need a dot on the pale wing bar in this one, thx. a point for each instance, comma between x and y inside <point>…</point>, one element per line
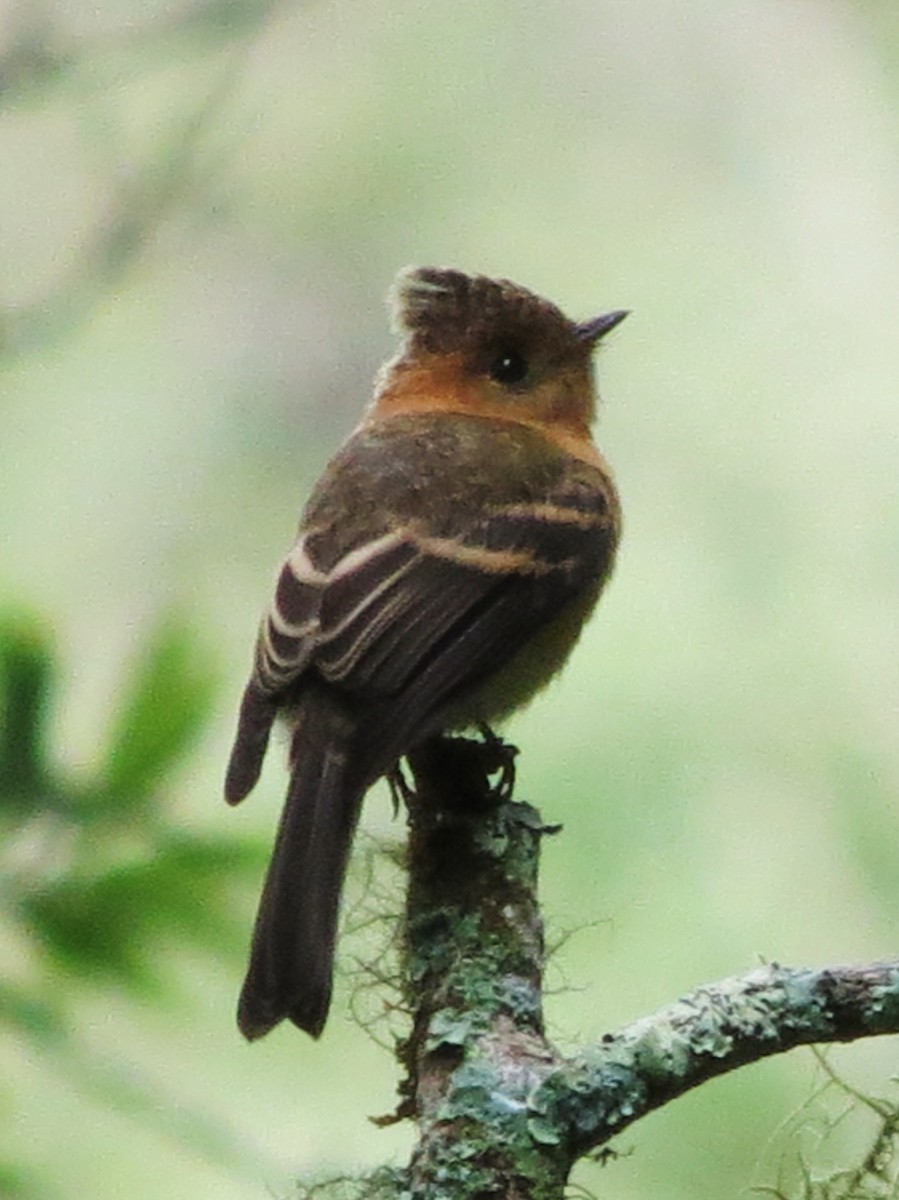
<point>379,647</point>
<point>414,618</point>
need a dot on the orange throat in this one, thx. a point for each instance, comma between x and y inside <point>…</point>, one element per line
<point>440,387</point>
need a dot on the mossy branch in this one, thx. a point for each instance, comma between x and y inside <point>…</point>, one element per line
<point>713,1030</point>
<point>501,1113</point>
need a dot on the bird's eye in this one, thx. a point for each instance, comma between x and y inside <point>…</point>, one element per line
<point>508,366</point>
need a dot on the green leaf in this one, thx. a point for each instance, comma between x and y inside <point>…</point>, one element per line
<point>169,703</point>
<point>27,676</point>
<point>114,923</point>
<point>17,1183</point>
<point>31,1015</point>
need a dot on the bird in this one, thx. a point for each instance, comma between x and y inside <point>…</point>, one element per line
<point>445,564</point>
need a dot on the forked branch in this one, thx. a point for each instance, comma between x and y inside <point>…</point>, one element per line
<point>500,1112</point>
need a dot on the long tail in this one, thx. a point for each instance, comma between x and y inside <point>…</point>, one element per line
<point>292,956</point>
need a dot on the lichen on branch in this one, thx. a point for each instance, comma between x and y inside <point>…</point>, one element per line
<point>500,1112</point>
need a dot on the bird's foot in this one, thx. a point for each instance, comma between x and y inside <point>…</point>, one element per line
<point>458,772</point>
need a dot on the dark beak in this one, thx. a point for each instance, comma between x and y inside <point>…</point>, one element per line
<point>597,327</point>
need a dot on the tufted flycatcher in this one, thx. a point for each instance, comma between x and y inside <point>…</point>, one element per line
<point>444,566</point>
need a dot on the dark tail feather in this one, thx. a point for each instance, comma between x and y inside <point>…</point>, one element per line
<point>257,715</point>
<point>292,956</point>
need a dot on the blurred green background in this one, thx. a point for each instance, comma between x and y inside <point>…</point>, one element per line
<point>201,207</point>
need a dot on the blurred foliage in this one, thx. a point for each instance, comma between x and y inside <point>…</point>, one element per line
<point>106,872</point>
<point>34,65</point>
<point>97,882</point>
